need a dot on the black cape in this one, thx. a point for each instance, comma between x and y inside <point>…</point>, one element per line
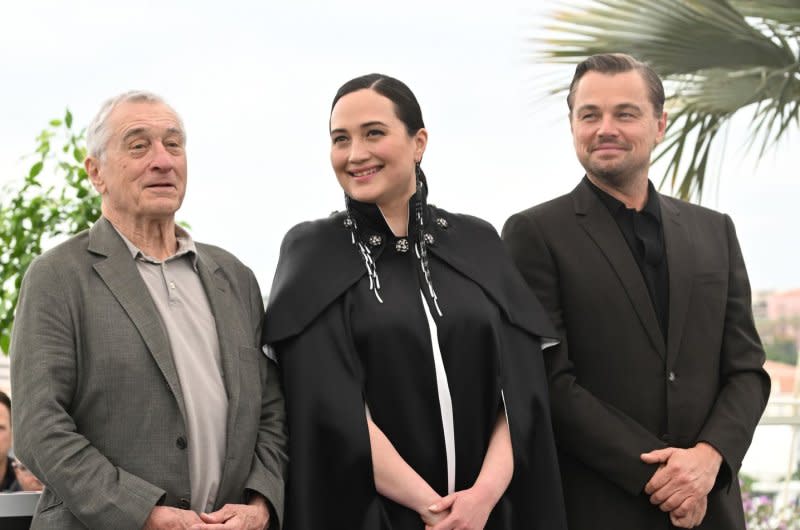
<point>314,330</point>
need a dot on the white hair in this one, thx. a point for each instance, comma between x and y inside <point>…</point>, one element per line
<point>97,133</point>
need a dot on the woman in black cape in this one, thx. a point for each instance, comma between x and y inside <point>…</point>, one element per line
<point>410,348</point>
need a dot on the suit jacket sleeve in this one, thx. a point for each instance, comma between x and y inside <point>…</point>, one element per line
<point>270,460</point>
<point>745,384</point>
<point>45,377</point>
<point>601,436</point>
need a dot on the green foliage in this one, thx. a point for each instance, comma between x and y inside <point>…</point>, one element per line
<point>55,199</point>
<point>780,338</point>
<point>782,350</point>
<point>716,57</point>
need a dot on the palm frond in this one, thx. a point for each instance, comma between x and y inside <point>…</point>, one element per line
<point>668,33</point>
<point>785,12</point>
<point>716,57</point>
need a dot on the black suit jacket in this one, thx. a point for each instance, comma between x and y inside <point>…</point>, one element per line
<point>618,389</point>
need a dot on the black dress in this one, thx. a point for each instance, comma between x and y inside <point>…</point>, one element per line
<point>339,348</point>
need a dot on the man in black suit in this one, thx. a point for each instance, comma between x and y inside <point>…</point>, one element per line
<point>658,383</point>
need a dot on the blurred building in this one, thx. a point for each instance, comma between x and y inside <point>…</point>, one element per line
<point>783,377</point>
<point>782,304</point>
<point>760,304</point>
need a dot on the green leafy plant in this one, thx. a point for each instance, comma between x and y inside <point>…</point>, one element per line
<point>54,200</point>
<point>716,57</point>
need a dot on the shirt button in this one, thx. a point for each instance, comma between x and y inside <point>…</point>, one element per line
<point>180,443</point>
<point>171,285</point>
<point>671,377</point>
<point>183,504</point>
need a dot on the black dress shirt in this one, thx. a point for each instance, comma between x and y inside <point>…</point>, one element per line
<point>644,234</point>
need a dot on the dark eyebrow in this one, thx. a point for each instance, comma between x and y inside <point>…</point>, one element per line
<point>373,123</point>
<point>621,106</point>
<point>628,106</point>
<point>363,126</point>
<point>583,108</point>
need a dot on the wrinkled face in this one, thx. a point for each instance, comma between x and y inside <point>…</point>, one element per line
<point>614,127</point>
<point>5,431</point>
<point>142,174</point>
<point>371,152</point>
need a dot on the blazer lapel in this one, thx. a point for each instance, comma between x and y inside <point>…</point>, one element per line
<point>596,220</point>
<point>118,271</point>
<point>679,252</point>
<point>219,297</point>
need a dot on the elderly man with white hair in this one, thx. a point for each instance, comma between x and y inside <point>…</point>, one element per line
<point>141,397</point>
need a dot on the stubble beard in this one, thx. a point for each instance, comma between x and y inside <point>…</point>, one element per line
<point>618,176</point>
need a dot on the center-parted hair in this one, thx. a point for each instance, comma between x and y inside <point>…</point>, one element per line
<point>617,63</point>
<point>405,103</point>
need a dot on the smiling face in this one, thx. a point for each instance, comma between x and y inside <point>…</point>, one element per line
<point>615,127</point>
<point>372,153</point>
<point>141,175</point>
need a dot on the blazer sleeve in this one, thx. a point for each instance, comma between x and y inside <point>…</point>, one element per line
<point>745,385</point>
<point>45,377</point>
<point>270,459</point>
<point>596,433</point>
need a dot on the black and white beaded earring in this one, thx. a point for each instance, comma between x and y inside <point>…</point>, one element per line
<point>424,238</point>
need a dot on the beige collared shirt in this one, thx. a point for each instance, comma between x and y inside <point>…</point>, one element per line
<point>183,305</point>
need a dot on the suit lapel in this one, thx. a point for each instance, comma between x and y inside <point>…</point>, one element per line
<point>596,220</point>
<point>122,278</point>
<point>679,251</point>
<point>225,314</point>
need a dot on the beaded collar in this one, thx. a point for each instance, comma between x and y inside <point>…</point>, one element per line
<point>369,230</point>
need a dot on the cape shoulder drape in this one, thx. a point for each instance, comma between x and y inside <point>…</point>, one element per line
<point>309,325</point>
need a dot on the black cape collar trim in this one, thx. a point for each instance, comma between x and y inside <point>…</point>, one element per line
<point>318,263</point>
<point>370,220</point>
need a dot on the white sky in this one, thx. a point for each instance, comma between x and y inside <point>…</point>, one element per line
<point>253,82</point>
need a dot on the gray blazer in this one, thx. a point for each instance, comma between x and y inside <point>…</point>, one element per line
<point>98,408</point>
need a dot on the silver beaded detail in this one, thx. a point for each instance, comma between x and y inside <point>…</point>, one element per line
<point>441,222</point>
<point>372,271</point>
<point>401,245</point>
<point>366,255</point>
<point>375,240</point>
<point>429,238</point>
<point>426,272</point>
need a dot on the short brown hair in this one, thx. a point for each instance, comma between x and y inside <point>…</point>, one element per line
<point>5,400</point>
<point>617,63</point>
